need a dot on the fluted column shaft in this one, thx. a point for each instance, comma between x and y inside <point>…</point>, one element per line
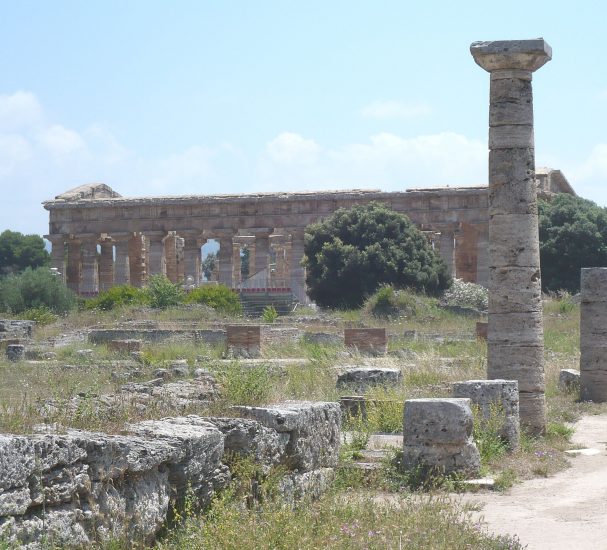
<point>106,265</point>
<point>122,268</point>
<point>89,278</point>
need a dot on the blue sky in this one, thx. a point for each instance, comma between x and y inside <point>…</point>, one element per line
<point>168,98</point>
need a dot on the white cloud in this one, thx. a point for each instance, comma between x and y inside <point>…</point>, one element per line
<point>387,161</point>
<point>291,148</point>
<point>395,109</point>
<point>61,141</point>
<point>14,150</point>
<point>19,110</point>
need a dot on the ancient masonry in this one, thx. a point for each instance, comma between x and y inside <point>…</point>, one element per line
<point>515,332</point>
<point>593,335</point>
<point>100,238</point>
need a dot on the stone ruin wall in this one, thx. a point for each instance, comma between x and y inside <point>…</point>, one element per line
<point>100,239</point>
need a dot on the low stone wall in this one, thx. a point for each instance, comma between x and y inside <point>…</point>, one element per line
<point>368,341</point>
<point>13,330</point>
<point>210,336</point>
<point>78,488</point>
<point>125,346</point>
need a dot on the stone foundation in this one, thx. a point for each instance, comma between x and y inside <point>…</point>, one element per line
<point>437,436</point>
<point>125,346</point>
<point>361,379</point>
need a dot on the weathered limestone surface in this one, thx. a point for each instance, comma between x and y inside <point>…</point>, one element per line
<point>569,379</point>
<point>82,487</point>
<point>593,334</point>
<point>367,341</point>
<point>125,346</point>
<point>79,488</point>
<point>361,379</point>
<point>515,330</point>
<point>313,430</point>
<point>495,397</point>
<point>437,435</point>
<point>10,329</point>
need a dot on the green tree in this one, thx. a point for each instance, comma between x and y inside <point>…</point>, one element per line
<point>35,288</point>
<point>352,253</point>
<point>573,234</point>
<point>208,265</point>
<point>162,293</point>
<point>18,252</point>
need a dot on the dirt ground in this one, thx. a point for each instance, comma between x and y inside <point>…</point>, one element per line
<point>567,511</point>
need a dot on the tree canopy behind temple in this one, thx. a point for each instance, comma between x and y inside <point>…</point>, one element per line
<point>349,255</point>
<point>18,252</point>
<point>573,234</point>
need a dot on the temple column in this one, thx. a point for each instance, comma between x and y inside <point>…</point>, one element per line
<point>515,345</point>
<point>122,268</point>
<point>89,277</point>
<point>192,257</point>
<point>156,252</point>
<point>262,249</point>
<point>298,271</point>
<point>447,249</point>
<point>137,260</point>
<point>106,265</point>
<point>57,254</point>
<point>224,260</point>
<point>73,264</point>
<point>236,263</point>
<point>170,255</point>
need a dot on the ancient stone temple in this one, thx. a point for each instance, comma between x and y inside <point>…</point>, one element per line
<point>100,238</point>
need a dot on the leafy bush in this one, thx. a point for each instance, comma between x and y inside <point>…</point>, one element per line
<point>465,294</point>
<point>35,288</point>
<point>162,293</point>
<point>573,234</point>
<point>269,314</point>
<point>353,252</point>
<point>219,297</point>
<point>42,315</point>
<point>120,295</point>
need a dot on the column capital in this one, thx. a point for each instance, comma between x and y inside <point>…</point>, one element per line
<point>523,55</point>
<point>56,238</point>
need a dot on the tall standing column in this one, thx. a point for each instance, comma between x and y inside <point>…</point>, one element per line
<point>88,281</point>
<point>72,278</point>
<point>236,263</point>
<point>224,258</point>
<point>122,267</point>
<point>515,347</point>
<point>137,260</point>
<point>155,252</point>
<point>106,265</point>
<point>447,248</point>
<point>192,257</point>
<point>593,334</point>
<point>298,272</point>
<point>57,253</point>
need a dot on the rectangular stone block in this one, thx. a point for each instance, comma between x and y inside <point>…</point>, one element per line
<point>524,364</point>
<point>515,329</point>
<point>243,340</point>
<point>593,284</point>
<point>372,341</point>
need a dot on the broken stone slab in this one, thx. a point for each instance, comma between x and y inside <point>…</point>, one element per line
<point>15,352</point>
<point>569,380</point>
<point>495,397</point>
<point>437,436</point>
<point>313,428</point>
<point>361,379</point>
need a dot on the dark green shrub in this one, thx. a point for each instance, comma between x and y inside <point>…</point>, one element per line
<point>35,288</point>
<point>219,297</point>
<point>352,253</point>
<point>117,296</point>
<point>18,252</point>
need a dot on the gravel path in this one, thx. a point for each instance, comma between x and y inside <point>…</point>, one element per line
<point>567,511</point>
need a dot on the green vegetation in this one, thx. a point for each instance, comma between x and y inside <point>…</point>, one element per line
<point>18,252</point>
<point>269,314</point>
<point>35,288</point>
<point>573,234</point>
<point>117,296</point>
<point>219,297</point>
<point>353,252</point>
<point>162,293</point>
<point>465,294</point>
